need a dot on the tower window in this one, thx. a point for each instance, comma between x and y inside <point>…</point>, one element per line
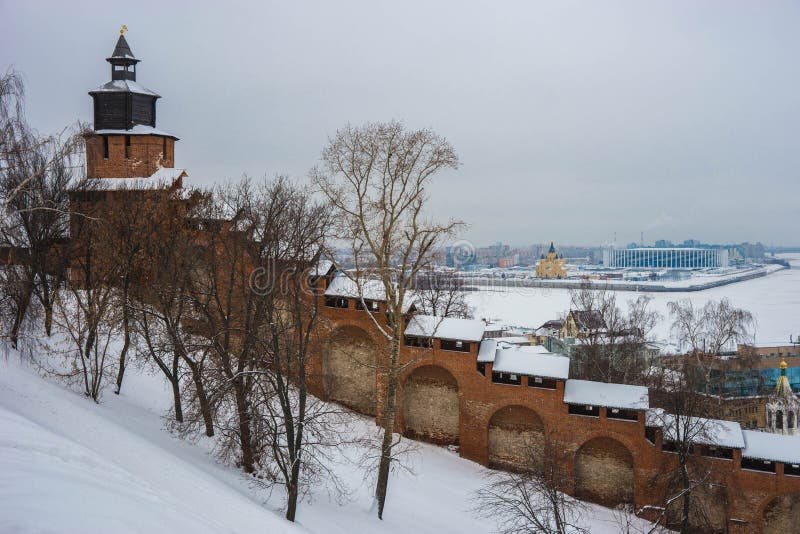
<point>164,149</point>
<point>105,147</point>
<point>127,146</point>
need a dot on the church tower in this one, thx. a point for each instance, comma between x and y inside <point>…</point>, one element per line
<point>126,142</point>
<point>783,407</point>
<point>551,266</point>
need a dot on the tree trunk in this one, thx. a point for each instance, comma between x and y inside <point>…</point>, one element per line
<point>245,437</point>
<point>388,429</point>
<point>87,365</point>
<point>686,499</point>
<point>48,317</point>
<point>125,345</point>
<point>175,380</point>
<point>176,397</point>
<point>291,504</point>
<point>19,316</point>
<point>294,482</point>
<point>202,399</point>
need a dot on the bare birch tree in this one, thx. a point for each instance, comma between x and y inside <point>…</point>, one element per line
<point>377,176</point>
<point>708,331</point>
<point>35,174</point>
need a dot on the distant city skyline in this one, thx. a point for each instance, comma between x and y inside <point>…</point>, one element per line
<point>573,121</point>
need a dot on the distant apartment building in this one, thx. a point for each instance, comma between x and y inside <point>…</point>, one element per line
<point>508,261</point>
<point>665,257</point>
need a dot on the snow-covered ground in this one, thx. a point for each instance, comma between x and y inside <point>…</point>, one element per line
<point>774,300</point>
<point>69,465</point>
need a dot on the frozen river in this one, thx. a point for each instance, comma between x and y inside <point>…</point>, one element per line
<point>774,301</point>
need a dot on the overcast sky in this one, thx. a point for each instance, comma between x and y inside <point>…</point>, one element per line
<point>573,121</point>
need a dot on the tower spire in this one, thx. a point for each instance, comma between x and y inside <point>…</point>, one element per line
<point>783,389</point>
<point>123,62</point>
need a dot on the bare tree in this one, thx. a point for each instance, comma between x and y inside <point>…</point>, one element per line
<point>376,177</point>
<point>171,329</point>
<point>154,344</point>
<point>532,499</point>
<point>441,293</point>
<point>683,415</point>
<point>12,119</point>
<point>231,315</point>
<point>35,174</point>
<point>87,311</point>
<point>708,331</point>
<point>612,342</point>
<point>289,231</point>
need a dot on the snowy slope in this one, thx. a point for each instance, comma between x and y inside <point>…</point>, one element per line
<point>69,465</point>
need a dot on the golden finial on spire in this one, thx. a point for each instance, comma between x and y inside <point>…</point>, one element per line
<point>123,29</point>
<point>783,364</point>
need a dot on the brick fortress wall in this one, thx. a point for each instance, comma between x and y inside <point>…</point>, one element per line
<point>443,398</point>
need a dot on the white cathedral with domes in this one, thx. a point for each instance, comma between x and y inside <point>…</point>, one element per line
<point>783,407</point>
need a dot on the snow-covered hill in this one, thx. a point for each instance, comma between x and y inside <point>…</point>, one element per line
<point>70,465</point>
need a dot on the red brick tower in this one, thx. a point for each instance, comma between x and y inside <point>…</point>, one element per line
<point>127,143</point>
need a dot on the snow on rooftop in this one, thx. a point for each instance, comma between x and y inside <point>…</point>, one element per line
<point>164,177</point>
<point>490,346</point>
<point>773,447</point>
<point>534,349</point>
<point>344,286</point>
<point>169,174</point>
<point>487,350</point>
<point>517,361</point>
<point>370,289</point>
<point>137,129</point>
<point>322,267</point>
<point>621,396</point>
<point>123,86</point>
<point>714,432</point>
<point>445,328</point>
<point>513,340</point>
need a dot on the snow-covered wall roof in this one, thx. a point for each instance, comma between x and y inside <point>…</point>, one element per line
<point>322,267</point>
<point>714,432</point>
<point>163,178</point>
<point>487,351</point>
<point>169,174</point>
<point>773,447</point>
<point>445,328</point>
<point>516,361</point>
<point>609,395</point>
<point>137,129</point>
<point>344,286</point>
<point>490,346</point>
<point>513,340</point>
